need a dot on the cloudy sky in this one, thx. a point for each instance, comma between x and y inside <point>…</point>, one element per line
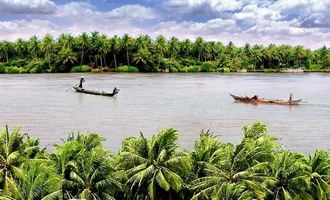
<point>294,22</point>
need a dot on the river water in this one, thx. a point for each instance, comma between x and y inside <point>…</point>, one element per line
<point>151,102</point>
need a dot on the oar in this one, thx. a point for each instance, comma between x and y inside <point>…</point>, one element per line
<point>70,87</point>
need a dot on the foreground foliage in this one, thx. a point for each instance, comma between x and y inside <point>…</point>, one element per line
<point>145,54</point>
<point>258,167</point>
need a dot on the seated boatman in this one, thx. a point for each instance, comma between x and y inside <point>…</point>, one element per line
<point>82,79</point>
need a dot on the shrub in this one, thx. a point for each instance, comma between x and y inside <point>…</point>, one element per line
<point>270,70</point>
<point>208,67</point>
<point>223,70</point>
<point>35,70</point>
<point>12,70</point>
<point>18,62</point>
<point>189,62</point>
<point>37,66</point>
<point>83,68</point>
<point>23,70</point>
<point>194,68</point>
<point>190,69</point>
<point>173,65</point>
<point>97,70</point>
<point>226,70</point>
<point>126,68</point>
<point>2,69</point>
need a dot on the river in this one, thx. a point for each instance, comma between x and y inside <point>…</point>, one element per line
<point>151,102</point>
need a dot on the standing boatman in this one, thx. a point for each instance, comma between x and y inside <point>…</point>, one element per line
<point>82,79</point>
<point>290,97</point>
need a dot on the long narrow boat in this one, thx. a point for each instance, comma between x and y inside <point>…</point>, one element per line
<point>262,100</point>
<point>102,93</point>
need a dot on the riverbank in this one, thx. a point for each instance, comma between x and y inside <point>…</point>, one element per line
<point>157,167</point>
<point>133,69</point>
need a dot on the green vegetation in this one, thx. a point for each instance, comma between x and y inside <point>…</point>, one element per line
<point>82,68</point>
<point>104,53</point>
<point>158,168</point>
<point>126,68</point>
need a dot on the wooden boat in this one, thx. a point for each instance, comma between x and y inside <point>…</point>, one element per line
<point>102,93</point>
<point>262,100</point>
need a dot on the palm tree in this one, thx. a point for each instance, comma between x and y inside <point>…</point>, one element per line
<point>173,47</point>
<point>320,168</point>
<point>90,176</point>
<point>155,167</point>
<point>142,57</point>
<point>20,47</point>
<point>126,43</point>
<point>67,56</point>
<point>160,47</point>
<point>114,45</point>
<point>5,49</point>
<point>238,172</point>
<point>34,180</point>
<point>199,47</point>
<point>186,47</point>
<point>33,46</point>
<point>14,150</point>
<point>204,150</point>
<point>291,176</point>
<point>47,45</point>
<point>84,43</point>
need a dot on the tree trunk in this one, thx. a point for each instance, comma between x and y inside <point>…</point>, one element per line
<point>114,58</point>
<point>82,57</point>
<point>127,57</point>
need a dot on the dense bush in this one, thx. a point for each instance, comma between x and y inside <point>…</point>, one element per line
<point>37,66</point>
<point>82,68</point>
<point>2,68</point>
<point>126,68</point>
<point>23,70</point>
<point>12,70</point>
<point>208,66</point>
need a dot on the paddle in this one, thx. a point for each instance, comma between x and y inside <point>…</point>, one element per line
<point>70,87</point>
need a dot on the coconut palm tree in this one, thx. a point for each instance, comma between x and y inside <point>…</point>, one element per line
<point>34,46</point>
<point>320,168</point>
<point>47,45</point>
<point>34,180</point>
<point>173,47</point>
<point>238,172</point>
<point>291,177</point>
<point>67,57</point>
<point>126,44</point>
<point>83,41</point>
<point>156,169</point>
<point>90,176</point>
<point>114,48</point>
<point>142,58</point>
<point>14,150</point>
<point>20,47</point>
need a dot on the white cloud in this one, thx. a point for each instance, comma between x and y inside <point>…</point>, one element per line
<point>205,6</point>
<point>27,6</point>
<point>76,9</point>
<point>132,11</point>
<point>255,21</point>
<point>11,30</point>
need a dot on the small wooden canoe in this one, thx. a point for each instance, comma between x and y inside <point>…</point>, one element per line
<point>262,100</point>
<point>102,93</point>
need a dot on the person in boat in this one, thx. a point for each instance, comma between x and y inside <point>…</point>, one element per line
<point>82,79</point>
<point>115,90</point>
<point>290,97</point>
<point>255,98</point>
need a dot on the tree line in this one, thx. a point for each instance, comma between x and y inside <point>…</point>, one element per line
<point>258,167</point>
<point>49,54</point>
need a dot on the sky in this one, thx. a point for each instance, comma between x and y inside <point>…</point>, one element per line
<point>294,22</point>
